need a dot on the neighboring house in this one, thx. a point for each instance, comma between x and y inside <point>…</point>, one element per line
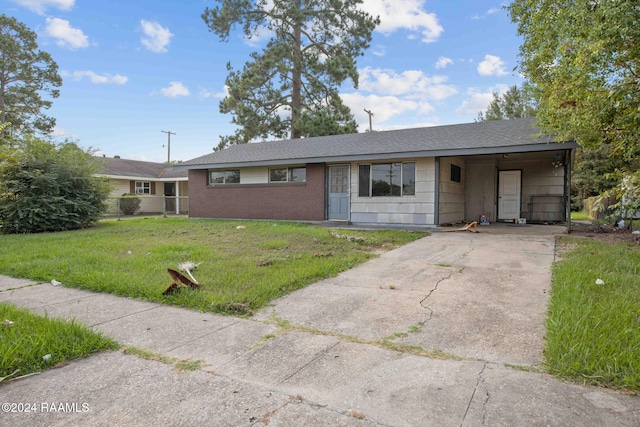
<point>151,181</point>
<point>425,176</point>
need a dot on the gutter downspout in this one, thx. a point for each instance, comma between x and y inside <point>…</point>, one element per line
<point>436,193</point>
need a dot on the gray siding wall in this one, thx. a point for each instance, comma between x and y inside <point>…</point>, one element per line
<point>452,194</point>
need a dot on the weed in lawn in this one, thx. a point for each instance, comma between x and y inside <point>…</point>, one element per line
<point>30,343</point>
<point>593,334</point>
<point>240,270</point>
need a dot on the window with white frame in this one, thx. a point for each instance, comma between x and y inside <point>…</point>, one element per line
<point>297,174</point>
<point>143,187</point>
<point>231,176</point>
<point>387,179</point>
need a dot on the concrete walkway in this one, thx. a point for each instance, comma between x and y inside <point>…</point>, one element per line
<point>325,355</point>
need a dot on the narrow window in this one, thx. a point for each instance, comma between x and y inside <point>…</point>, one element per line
<point>364,181</point>
<point>456,173</point>
<point>408,179</point>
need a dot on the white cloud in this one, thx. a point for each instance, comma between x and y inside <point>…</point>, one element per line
<point>205,93</point>
<point>409,83</point>
<point>479,100</point>
<point>40,6</point>
<point>100,79</point>
<point>66,35</point>
<point>383,108</point>
<point>492,66</point>
<point>489,12</point>
<point>404,14</point>
<point>379,50</point>
<point>443,61</point>
<point>156,38</point>
<point>175,89</point>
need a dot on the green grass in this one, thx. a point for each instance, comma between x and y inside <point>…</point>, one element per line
<point>593,331</point>
<point>241,269</point>
<point>580,216</point>
<point>30,343</point>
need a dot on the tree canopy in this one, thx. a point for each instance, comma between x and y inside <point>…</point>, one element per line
<point>47,187</point>
<point>25,73</point>
<point>515,103</point>
<point>290,89</point>
<point>583,60</point>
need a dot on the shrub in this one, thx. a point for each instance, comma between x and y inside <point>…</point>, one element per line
<point>129,203</point>
<point>48,187</point>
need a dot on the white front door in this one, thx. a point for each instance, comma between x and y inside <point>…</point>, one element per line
<point>509,189</point>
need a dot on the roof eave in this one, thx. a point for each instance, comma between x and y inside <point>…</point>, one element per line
<point>550,146</point>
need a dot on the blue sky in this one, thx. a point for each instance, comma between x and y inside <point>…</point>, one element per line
<point>134,68</point>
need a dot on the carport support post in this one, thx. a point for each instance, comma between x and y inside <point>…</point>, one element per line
<point>567,188</point>
<point>436,193</point>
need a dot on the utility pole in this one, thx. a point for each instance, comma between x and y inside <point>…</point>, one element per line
<point>169,133</point>
<point>370,114</point>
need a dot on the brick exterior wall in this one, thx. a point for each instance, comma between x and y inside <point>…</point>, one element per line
<point>287,201</point>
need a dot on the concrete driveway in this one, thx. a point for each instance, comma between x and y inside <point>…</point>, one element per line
<point>476,296</point>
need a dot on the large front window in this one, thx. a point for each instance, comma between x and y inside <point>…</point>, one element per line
<point>387,180</point>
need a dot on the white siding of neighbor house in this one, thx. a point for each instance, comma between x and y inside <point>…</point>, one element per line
<point>452,194</point>
<point>148,204</point>
<point>409,210</point>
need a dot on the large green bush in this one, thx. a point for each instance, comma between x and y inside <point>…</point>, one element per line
<point>48,187</point>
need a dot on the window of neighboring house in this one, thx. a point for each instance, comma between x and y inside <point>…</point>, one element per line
<point>387,180</point>
<point>143,187</point>
<point>288,174</point>
<point>224,177</point>
<point>456,173</point>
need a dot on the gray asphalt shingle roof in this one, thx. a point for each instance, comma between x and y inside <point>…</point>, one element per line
<point>140,169</point>
<point>462,139</point>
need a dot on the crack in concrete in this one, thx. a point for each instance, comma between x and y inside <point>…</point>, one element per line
<point>316,357</point>
<point>479,382</point>
<point>431,292</point>
<point>202,336</point>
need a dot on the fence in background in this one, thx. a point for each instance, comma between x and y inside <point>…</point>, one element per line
<point>149,206</point>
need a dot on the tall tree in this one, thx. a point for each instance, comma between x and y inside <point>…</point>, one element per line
<point>515,103</point>
<point>583,59</point>
<point>291,87</point>
<point>25,74</point>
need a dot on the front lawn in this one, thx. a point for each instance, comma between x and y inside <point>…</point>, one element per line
<point>243,264</point>
<point>593,327</point>
<point>31,343</point>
